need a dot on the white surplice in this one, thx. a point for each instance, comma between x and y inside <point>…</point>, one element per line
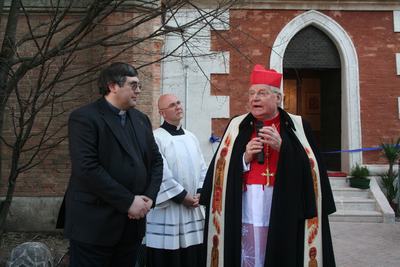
<point>171,225</point>
<point>256,210</point>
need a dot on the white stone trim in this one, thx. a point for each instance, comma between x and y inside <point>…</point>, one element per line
<point>396,20</point>
<point>37,214</point>
<point>398,63</point>
<point>320,5</point>
<point>398,105</point>
<point>351,124</point>
<point>377,169</point>
<point>381,201</point>
<point>189,78</point>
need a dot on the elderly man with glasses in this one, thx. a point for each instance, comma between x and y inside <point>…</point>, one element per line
<point>267,192</point>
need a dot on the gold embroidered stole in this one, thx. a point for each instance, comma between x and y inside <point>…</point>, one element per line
<point>312,231</point>
<point>215,239</point>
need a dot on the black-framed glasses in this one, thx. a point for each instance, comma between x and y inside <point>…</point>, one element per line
<point>172,105</point>
<point>135,85</point>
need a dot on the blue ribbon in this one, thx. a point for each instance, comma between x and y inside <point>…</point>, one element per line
<point>214,139</point>
<point>356,150</point>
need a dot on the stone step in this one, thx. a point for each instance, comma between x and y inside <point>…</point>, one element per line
<point>359,205</point>
<point>349,192</point>
<point>338,181</point>
<point>355,204</point>
<point>356,216</point>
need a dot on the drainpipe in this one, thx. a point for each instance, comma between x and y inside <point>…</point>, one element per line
<point>398,188</point>
<point>186,94</point>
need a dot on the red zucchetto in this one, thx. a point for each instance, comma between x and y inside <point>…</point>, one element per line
<point>260,75</point>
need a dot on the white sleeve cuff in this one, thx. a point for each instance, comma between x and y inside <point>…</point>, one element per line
<point>246,166</point>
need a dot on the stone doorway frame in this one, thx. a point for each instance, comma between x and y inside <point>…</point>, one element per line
<point>350,87</point>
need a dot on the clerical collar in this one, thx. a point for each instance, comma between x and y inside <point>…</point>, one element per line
<point>275,120</point>
<point>115,109</point>
<point>172,129</point>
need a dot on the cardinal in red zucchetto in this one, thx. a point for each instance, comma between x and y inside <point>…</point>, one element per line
<point>269,193</point>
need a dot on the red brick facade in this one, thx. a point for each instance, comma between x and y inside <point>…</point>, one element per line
<point>249,41</point>
<point>253,32</point>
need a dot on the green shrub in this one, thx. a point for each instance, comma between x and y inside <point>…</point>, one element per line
<point>359,171</point>
<point>391,151</point>
<point>388,183</point>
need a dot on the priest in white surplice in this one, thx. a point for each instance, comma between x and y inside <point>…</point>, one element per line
<point>174,231</point>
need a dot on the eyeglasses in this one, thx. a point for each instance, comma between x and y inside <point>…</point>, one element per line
<point>135,85</point>
<point>261,93</point>
<point>172,105</point>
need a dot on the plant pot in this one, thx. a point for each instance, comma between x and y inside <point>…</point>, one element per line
<point>362,183</point>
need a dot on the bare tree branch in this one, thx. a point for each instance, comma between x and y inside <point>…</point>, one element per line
<point>49,51</point>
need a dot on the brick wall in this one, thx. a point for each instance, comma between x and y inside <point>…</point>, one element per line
<point>253,32</point>
<point>249,41</point>
<point>50,178</point>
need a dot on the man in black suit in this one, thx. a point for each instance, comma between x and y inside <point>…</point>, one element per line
<point>116,173</point>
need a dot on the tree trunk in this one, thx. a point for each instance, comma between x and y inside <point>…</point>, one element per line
<point>1,11</point>
<point>6,55</point>
<point>6,203</point>
<point>12,179</point>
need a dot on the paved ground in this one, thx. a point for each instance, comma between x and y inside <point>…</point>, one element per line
<point>366,244</point>
<point>355,244</point>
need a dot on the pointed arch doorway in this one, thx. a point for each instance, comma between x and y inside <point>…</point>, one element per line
<point>312,89</point>
<point>349,75</point>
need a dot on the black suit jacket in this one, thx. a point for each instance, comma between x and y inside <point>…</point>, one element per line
<point>103,181</point>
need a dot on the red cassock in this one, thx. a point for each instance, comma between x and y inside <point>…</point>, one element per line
<point>264,174</point>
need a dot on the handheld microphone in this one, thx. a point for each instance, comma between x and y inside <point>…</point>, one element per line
<point>260,155</point>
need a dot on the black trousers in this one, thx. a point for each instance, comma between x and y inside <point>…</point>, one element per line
<point>183,257</point>
<point>87,255</point>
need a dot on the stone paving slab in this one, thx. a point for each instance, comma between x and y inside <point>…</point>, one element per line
<point>366,244</point>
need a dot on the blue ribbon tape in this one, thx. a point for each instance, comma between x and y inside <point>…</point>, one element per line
<point>356,150</point>
<point>216,139</point>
